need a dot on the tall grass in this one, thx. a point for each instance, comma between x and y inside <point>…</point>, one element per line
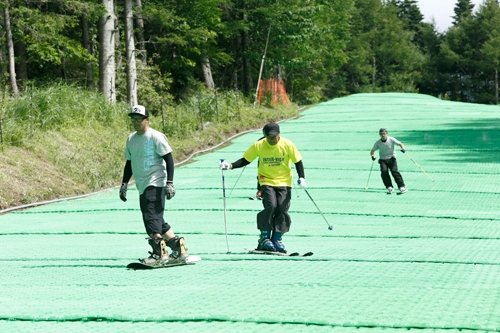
<point>83,137</point>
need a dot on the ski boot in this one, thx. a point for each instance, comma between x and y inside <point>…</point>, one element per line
<point>265,243</point>
<point>159,254</point>
<point>179,250</point>
<point>276,239</point>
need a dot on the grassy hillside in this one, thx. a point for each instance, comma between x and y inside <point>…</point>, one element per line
<point>63,141</point>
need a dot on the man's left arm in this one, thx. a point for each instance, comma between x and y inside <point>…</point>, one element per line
<point>170,191</point>
<point>402,146</point>
<point>300,171</point>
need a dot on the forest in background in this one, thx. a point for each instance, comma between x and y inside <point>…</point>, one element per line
<point>157,52</point>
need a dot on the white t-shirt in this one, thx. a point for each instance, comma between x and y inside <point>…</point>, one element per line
<point>387,148</point>
<point>146,153</point>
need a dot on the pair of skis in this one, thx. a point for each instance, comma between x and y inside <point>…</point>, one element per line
<point>280,254</point>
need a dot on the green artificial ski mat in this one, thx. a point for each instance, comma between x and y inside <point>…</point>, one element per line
<point>425,261</point>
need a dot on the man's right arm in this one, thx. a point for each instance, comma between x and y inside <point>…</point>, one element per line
<point>239,163</point>
<point>127,172</point>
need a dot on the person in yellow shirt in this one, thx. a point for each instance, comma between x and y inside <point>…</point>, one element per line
<point>275,155</point>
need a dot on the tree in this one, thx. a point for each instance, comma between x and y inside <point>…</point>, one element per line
<point>357,74</point>
<point>10,47</point>
<point>410,15</point>
<point>139,22</point>
<point>463,9</point>
<point>434,79</point>
<point>107,52</point>
<point>488,24</point>
<point>382,55</point>
<point>86,44</point>
<point>130,50</point>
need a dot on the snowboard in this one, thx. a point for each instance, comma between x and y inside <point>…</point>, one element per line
<point>292,254</point>
<point>139,265</point>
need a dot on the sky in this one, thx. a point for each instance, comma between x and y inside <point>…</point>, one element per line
<point>441,11</point>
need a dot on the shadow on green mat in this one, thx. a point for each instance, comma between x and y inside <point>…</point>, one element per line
<point>472,142</point>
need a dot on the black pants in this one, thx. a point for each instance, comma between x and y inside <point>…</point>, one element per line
<point>276,202</point>
<point>392,165</point>
<point>152,203</point>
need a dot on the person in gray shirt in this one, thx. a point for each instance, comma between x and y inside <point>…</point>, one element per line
<point>387,160</point>
<point>150,161</point>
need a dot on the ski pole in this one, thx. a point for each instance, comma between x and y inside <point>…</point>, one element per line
<point>366,187</point>
<point>404,152</point>
<point>307,192</point>
<point>224,199</point>
<point>237,181</point>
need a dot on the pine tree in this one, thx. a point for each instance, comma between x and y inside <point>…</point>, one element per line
<point>463,8</point>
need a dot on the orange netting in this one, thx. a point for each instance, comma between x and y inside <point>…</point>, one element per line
<point>274,89</point>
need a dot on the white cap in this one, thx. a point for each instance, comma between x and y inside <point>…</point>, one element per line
<point>139,109</point>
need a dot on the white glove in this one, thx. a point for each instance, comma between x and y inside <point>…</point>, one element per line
<point>302,182</point>
<point>223,165</point>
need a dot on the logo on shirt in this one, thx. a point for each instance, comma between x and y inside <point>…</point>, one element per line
<point>273,161</point>
<point>149,154</point>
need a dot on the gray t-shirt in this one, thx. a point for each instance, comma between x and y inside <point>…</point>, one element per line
<point>387,148</point>
<point>146,153</point>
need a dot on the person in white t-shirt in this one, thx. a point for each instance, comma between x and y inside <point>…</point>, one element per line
<point>149,160</point>
<point>387,160</point>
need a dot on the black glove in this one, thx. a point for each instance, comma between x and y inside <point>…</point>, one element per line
<point>373,158</point>
<point>403,150</point>
<point>170,190</point>
<point>123,192</point>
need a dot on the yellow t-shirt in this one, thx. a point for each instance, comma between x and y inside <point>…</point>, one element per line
<point>274,161</point>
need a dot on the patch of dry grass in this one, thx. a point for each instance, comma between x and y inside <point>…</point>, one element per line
<point>26,178</point>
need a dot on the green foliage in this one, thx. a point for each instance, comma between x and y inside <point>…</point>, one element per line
<point>181,32</point>
<point>471,57</point>
<point>463,9</point>
<point>46,33</point>
<point>382,54</point>
<point>321,49</point>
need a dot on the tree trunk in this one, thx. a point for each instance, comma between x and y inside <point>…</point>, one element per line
<point>4,68</point>
<point>139,22</point>
<point>247,75</point>
<point>207,72</point>
<point>374,73</point>
<point>130,50</point>
<point>86,44</point>
<point>496,86</point>
<point>22,62</point>
<point>107,52</point>
<point>10,46</point>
